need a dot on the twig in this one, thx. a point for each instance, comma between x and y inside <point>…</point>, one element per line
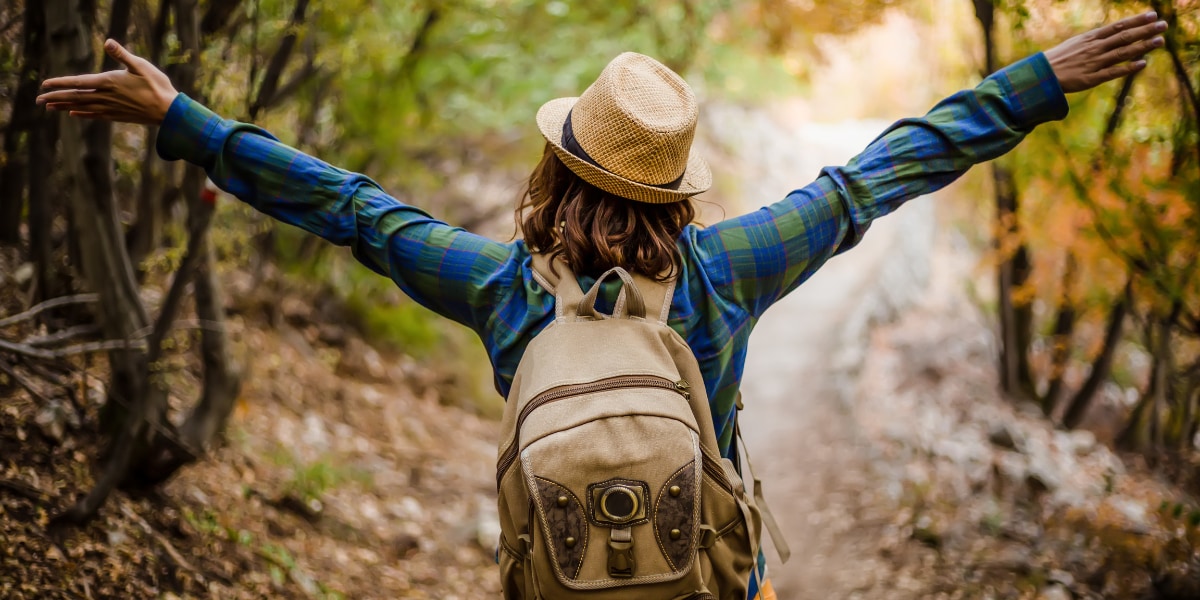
<point>43,354</point>
<point>23,490</point>
<point>4,367</point>
<point>44,372</point>
<point>62,336</point>
<point>162,541</point>
<point>181,324</point>
<point>48,304</point>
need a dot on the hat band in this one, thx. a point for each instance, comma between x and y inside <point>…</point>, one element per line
<point>570,144</point>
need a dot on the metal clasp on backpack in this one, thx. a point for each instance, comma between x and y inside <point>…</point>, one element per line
<point>620,554</point>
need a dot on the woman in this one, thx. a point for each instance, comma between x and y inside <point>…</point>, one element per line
<point>613,188</point>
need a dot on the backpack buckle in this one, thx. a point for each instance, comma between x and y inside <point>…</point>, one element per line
<point>620,554</point>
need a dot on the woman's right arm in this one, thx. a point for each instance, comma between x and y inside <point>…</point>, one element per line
<point>455,273</point>
<point>447,269</point>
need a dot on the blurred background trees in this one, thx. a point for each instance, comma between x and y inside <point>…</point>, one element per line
<point>1096,240</point>
<point>1093,229</point>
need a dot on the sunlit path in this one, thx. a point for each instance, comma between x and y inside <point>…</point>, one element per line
<point>804,442</point>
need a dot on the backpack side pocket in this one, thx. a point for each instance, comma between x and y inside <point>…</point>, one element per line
<point>732,526</point>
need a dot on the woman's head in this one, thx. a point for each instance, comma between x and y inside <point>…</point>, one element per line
<point>616,179</point>
<point>561,214</point>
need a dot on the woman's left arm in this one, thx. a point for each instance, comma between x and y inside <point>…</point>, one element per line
<point>755,259</point>
<point>455,273</point>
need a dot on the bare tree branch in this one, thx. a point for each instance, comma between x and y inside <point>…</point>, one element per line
<point>8,370</point>
<point>279,60</point>
<point>59,337</point>
<point>47,305</point>
<point>90,347</point>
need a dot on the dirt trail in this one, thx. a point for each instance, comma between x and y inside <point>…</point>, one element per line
<point>804,353</point>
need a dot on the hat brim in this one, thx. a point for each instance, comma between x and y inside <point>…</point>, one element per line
<point>697,177</point>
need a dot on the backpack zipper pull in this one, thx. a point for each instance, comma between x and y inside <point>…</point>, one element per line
<point>682,386</point>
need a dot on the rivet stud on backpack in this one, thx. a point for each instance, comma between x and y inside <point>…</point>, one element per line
<point>570,542</point>
<point>674,491</point>
<point>562,501</point>
<point>675,533</point>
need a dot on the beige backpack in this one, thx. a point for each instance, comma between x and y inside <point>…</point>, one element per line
<point>610,480</point>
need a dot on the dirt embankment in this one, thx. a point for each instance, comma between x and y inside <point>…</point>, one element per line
<point>346,472</point>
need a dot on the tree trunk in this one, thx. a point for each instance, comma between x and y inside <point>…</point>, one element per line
<point>131,413</point>
<point>1101,367</point>
<point>12,174</point>
<point>222,380</point>
<point>146,234</point>
<point>1016,322</point>
<point>1064,326</point>
<point>1145,428</point>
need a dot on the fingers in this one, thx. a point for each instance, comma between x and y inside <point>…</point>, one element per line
<point>131,61</point>
<point>94,81</point>
<point>1133,35</point>
<point>1125,24</point>
<point>1132,51</point>
<point>1124,69</point>
<point>75,95</point>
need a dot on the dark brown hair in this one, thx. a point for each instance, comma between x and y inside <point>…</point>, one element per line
<point>561,214</point>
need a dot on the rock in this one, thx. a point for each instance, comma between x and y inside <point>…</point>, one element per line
<point>315,434</point>
<point>1011,466</point>
<point>408,509</point>
<point>1134,512</point>
<point>54,418</point>
<point>1054,591</point>
<point>927,532</point>
<point>1079,442</point>
<point>487,527</point>
<point>405,545</point>
<point>1039,483</point>
<point>116,537</point>
<point>296,311</point>
<point>1001,436</point>
<point>1045,473</point>
<point>331,335</point>
<point>360,360</point>
<point>23,273</point>
<point>1061,577</point>
<point>1013,559</point>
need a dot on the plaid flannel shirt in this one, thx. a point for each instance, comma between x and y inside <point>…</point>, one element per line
<point>732,271</point>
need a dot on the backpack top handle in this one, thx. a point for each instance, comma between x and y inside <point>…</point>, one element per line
<point>559,280</point>
<point>634,305</point>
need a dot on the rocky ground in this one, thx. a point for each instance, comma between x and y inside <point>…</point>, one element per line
<point>972,496</point>
<point>346,472</point>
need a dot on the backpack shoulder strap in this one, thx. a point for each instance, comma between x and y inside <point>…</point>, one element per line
<point>561,281</point>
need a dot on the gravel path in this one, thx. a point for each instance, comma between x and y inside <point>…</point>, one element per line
<point>805,352</point>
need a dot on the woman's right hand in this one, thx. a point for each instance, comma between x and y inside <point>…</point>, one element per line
<point>139,94</point>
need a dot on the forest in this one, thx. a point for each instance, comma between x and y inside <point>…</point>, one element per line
<point>196,401</point>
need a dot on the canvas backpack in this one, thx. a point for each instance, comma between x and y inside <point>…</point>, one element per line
<point>611,484</point>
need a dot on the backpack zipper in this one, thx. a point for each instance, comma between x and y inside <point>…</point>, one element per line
<point>714,471</point>
<point>567,391</point>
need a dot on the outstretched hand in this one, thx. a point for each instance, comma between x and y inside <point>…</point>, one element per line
<point>1106,53</point>
<point>138,94</point>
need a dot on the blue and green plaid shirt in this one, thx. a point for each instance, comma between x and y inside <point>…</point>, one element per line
<point>732,271</point>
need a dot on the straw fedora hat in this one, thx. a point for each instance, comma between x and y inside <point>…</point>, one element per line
<point>630,133</point>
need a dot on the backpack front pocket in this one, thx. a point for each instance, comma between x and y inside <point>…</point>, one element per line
<point>614,477</point>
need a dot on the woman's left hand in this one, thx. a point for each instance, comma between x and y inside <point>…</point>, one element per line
<point>1106,53</point>
<point>139,94</point>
